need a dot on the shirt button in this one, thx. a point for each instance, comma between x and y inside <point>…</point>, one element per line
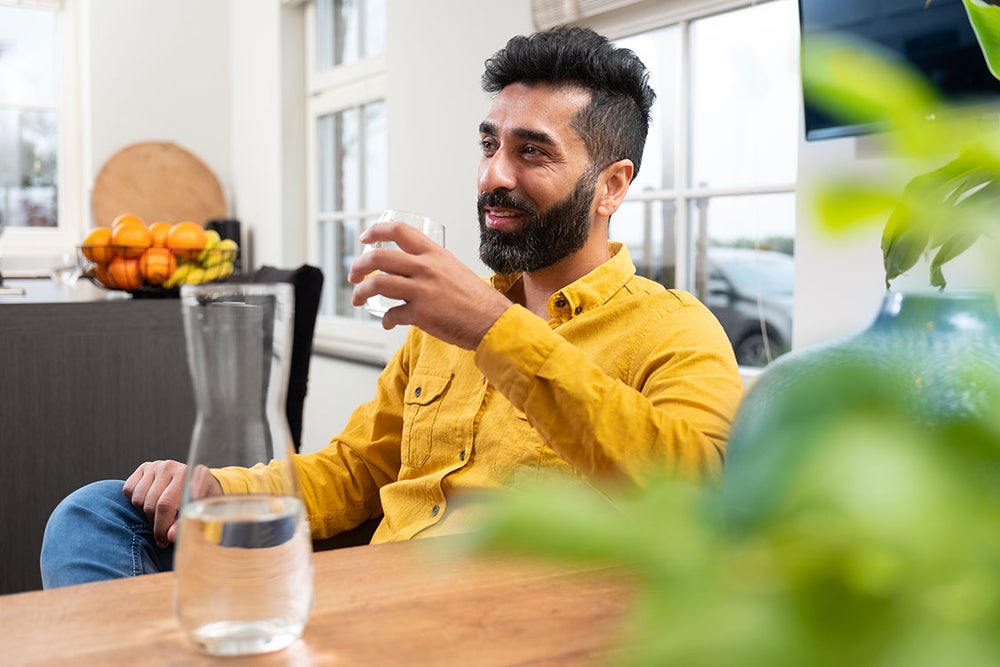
<point>560,302</point>
<point>435,510</point>
<point>461,455</point>
<point>484,379</point>
<point>579,309</point>
<point>416,392</point>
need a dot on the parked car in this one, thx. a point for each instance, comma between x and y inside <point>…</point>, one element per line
<point>750,292</point>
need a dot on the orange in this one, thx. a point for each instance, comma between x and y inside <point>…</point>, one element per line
<point>156,265</point>
<point>158,233</point>
<point>95,245</point>
<point>187,239</point>
<point>131,237</point>
<point>101,272</point>
<point>127,217</point>
<point>124,273</point>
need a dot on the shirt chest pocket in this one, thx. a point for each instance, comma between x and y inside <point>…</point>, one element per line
<point>424,396</point>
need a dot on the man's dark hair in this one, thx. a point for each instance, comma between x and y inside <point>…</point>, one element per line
<point>614,125</point>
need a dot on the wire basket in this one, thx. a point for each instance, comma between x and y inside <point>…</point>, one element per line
<point>154,271</point>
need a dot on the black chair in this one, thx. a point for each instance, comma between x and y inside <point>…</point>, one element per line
<point>307,282</point>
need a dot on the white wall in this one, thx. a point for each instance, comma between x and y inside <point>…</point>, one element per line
<point>155,73</point>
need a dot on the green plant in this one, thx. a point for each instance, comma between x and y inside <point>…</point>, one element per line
<point>941,212</point>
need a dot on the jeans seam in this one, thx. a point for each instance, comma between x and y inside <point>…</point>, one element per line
<point>136,549</point>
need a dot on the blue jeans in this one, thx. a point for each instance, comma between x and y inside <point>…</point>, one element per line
<point>95,534</point>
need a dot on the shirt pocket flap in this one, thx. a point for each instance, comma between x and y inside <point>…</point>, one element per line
<point>425,389</point>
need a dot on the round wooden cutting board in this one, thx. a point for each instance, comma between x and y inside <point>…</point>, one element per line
<point>157,180</point>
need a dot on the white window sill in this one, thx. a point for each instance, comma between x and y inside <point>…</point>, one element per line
<point>363,342</point>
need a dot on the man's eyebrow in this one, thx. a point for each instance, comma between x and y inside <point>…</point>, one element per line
<point>524,133</point>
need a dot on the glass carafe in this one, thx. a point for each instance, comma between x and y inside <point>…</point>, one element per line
<point>243,567</point>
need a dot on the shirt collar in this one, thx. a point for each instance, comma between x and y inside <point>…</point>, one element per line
<point>592,290</point>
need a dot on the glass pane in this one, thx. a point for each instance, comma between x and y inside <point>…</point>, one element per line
<point>376,157</point>
<point>742,269</point>
<point>647,229</point>
<point>29,72</point>
<point>327,172</point>
<point>348,31</point>
<point>744,104</point>
<point>374,28</point>
<point>328,263</point>
<point>28,175</point>
<point>659,50</point>
<point>348,159</point>
<point>347,246</point>
<point>29,119</point>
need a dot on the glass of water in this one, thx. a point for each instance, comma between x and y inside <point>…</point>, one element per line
<point>64,269</point>
<point>243,560</point>
<point>378,304</point>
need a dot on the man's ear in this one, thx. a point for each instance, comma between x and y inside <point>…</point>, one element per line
<point>612,186</point>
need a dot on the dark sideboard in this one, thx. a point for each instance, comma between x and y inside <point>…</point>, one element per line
<point>91,385</point>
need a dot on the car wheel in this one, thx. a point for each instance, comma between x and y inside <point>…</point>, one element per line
<point>751,351</point>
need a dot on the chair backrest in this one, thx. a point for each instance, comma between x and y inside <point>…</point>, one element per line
<point>307,282</point>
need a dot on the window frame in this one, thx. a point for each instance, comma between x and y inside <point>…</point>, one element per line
<point>329,91</point>
<point>23,249</point>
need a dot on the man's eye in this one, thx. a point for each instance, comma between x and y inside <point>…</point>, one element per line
<point>487,145</point>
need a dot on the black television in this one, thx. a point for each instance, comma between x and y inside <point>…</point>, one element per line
<point>936,38</point>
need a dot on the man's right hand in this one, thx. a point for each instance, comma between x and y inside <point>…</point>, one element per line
<point>156,488</point>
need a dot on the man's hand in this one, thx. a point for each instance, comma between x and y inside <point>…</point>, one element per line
<point>443,296</point>
<point>156,488</point>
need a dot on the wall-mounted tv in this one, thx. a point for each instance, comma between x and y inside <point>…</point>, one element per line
<point>936,38</point>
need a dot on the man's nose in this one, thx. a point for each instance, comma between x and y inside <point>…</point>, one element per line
<point>496,173</point>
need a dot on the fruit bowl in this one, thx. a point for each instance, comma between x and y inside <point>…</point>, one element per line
<point>155,271</point>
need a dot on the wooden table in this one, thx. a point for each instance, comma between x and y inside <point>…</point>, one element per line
<point>408,603</point>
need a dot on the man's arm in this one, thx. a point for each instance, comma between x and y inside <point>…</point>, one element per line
<point>668,414</point>
<point>340,484</point>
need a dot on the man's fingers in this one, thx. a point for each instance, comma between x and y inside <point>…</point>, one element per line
<point>165,511</point>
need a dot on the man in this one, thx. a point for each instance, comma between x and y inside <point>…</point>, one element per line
<point>564,362</point>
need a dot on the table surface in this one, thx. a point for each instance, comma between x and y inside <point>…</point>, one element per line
<point>424,602</point>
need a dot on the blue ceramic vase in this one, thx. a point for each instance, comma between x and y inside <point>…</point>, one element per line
<point>933,358</point>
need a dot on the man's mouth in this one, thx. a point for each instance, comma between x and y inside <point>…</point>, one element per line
<point>503,219</point>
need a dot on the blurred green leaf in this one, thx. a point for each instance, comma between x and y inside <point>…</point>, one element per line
<point>842,204</point>
<point>985,20</point>
<point>862,84</point>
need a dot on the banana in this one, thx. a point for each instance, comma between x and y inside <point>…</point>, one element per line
<point>195,276</point>
<point>212,239</point>
<point>178,276</point>
<point>224,250</point>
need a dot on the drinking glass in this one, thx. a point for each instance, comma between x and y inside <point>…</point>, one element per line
<point>243,564</point>
<point>378,304</point>
<point>64,269</point>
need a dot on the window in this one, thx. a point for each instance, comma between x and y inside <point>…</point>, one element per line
<point>349,155</point>
<point>719,168</point>
<point>29,115</point>
<point>37,127</point>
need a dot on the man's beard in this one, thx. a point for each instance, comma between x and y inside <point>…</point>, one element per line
<point>545,237</point>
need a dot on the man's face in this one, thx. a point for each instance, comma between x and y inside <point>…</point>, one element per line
<point>536,190</point>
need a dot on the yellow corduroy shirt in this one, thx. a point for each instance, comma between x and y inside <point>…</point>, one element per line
<point>627,379</point>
